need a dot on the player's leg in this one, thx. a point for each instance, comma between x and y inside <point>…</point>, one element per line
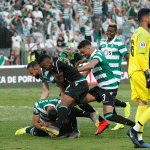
<point>138,87</point>
<point>73,94</point>
<point>95,95</point>
<point>31,130</point>
<point>118,125</point>
<point>80,113</point>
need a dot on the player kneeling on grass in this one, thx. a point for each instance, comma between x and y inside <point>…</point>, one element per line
<point>44,116</point>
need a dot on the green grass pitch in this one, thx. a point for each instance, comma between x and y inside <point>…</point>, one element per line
<point>16,107</point>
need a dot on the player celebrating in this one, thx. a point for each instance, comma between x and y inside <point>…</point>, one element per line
<point>107,87</point>
<point>140,77</point>
<point>46,77</point>
<point>74,93</point>
<point>114,49</point>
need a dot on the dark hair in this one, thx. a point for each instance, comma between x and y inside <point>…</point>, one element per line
<point>84,43</point>
<point>113,25</point>
<point>42,57</point>
<point>52,114</point>
<point>47,36</point>
<point>32,64</point>
<point>143,12</point>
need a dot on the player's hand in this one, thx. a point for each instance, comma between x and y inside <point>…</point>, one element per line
<point>147,75</point>
<point>81,62</point>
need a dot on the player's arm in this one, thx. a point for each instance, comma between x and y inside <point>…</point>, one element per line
<point>127,58</point>
<point>45,92</point>
<point>35,121</point>
<point>89,66</point>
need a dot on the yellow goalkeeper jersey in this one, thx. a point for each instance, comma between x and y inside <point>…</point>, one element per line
<point>139,45</point>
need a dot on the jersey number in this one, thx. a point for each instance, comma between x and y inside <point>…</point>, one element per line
<point>132,47</point>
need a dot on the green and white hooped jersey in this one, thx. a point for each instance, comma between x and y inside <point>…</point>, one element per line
<point>40,107</point>
<point>98,7</point>
<point>102,72</point>
<point>47,77</point>
<point>113,52</point>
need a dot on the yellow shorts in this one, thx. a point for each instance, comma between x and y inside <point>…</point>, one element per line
<point>138,87</point>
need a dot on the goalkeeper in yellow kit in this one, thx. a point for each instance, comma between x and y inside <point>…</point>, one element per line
<point>140,77</point>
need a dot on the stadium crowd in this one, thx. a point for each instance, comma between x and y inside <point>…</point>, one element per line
<point>65,23</point>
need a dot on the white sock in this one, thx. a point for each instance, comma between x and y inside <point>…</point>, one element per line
<point>136,128</point>
<point>140,137</point>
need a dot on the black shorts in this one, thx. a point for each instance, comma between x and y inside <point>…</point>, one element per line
<point>107,96</point>
<point>77,90</point>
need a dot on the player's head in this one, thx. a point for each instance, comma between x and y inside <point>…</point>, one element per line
<point>111,31</point>
<point>34,69</point>
<point>52,114</point>
<point>85,48</point>
<point>144,16</point>
<point>45,62</point>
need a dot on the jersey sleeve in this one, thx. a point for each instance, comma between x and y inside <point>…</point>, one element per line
<point>35,110</point>
<point>122,49</point>
<point>142,42</point>
<point>98,57</point>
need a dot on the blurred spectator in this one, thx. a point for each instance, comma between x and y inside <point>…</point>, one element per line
<point>16,46</point>
<point>26,31</point>
<point>49,44</point>
<point>61,40</point>
<point>8,21</point>
<point>100,34</point>
<point>78,38</point>
<point>105,9</point>
<point>12,58</point>
<point>3,59</point>
<point>17,22</point>
<point>72,55</point>
<point>47,27</point>
<point>54,24</point>
<point>68,39</point>
<point>110,6</point>
<point>31,57</point>
<point>66,16</point>
<point>96,26</point>
<point>37,13</point>
<point>37,51</point>
<point>98,6</point>
<point>29,5</point>
<point>29,20</point>
<point>78,7</point>
<point>88,31</point>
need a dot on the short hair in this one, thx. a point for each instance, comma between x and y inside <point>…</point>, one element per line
<point>143,12</point>
<point>52,114</point>
<point>32,64</point>
<point>84,43</point>
<point>42,57</point>
<point>113,25</point>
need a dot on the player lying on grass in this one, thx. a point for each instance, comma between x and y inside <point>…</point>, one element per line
<point>107,87</point>
<point>46,77</point>
<point>44,116</point>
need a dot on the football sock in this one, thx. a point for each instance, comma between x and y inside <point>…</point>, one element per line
<point>79,113</point>
<point>139,113</point>
<point>100,119</point>
<point>28,129</point>
<point>144,118</point>
<point>86,107</point>
<point>114,111</point>
<point>73,121</point>
<point>119,119</point>
<point>61,115</point>
<point>120,103</point>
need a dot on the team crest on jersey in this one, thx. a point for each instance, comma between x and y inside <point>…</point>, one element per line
<point>142,44</point>
<point>105,52</point>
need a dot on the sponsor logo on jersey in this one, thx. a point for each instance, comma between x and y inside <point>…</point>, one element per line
<point>142,44</point>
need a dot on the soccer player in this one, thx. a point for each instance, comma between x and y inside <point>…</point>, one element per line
<point>44,115</point>
<point>140,77</point>
<point>107,87</point>
<point>114,49</point>
<point>74,93</point>
<point>46,77</point>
